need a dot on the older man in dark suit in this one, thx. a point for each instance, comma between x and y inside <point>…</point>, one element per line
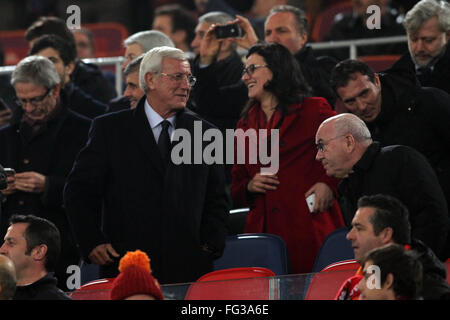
<point>125,192</point>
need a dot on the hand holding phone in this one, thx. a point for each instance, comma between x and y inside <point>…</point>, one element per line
<point>310,201</point>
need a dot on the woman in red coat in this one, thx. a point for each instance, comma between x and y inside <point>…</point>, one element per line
<point>279,100</point>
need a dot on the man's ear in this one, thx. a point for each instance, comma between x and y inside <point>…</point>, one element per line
<point>70,67</point>
<point>303,38</point>
<point>150,79</point>
<point>389,283</point>
<point>39,252</point>
<point>377,80</point>
<point>56,90</point>
<point>386,235</point>
<point>350,142</point>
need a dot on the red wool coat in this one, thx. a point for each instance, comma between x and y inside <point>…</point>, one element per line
<point>284,212</point>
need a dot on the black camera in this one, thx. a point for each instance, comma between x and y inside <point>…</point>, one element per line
<point>4,174</point>
<point>229,31</point>
<point>3,179</point>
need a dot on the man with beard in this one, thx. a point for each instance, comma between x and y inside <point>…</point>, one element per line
<point>428,27</point>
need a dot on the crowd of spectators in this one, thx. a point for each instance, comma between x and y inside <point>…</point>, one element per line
<point>95,177</point>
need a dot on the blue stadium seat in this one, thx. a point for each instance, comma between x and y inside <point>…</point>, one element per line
<point>335,248</point>
<point>255,250</point>
<point>89,272</point>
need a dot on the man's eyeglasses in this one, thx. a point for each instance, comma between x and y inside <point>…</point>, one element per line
<point>181,77</point>
<point>322,144</point>
<point>251,68</point>
<point>36,101</point>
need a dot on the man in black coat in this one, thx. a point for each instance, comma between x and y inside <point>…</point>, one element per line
<point>427,25</point>
<point>217,67</point>
<point>41,148</point>
<point>397,110</point>
<point>346,150</point>
<point>219,94</point>
<point>34,244</point>
<point>125,191</point>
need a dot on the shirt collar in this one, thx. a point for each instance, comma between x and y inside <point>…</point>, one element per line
<point>429,67</point>
<point>154,119</point>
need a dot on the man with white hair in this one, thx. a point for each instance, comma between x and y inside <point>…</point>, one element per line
<point>143,41</point>
<point>136,45</point>
<point>346,150</point>
<point>427,25</point>
<point>126,181</point>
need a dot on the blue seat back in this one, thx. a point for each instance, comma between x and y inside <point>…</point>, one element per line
<point>334,248</point>
<point>255,250</point>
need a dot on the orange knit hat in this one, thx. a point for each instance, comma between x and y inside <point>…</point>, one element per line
<point>135,277</point>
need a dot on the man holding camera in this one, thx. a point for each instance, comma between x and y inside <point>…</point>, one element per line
<point>217,67</point>
<point>219,94</point>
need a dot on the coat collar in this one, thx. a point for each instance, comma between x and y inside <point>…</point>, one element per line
<point>368,158</point>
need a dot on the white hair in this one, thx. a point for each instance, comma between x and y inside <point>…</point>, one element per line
<point>37,70</point>
<point>148,40</point>
<point>152,62</point>
<point>425,10</point>
<point>345,123</point>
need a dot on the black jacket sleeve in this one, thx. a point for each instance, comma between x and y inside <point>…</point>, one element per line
<point>83,192</point>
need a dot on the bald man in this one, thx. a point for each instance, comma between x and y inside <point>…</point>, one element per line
<point>346,150</point>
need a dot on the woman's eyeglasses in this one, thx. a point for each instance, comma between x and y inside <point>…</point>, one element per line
<point>251,68</point>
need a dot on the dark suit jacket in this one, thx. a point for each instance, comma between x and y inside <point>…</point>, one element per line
<point>168,214</point>
<point>404,173</point>
<point>438,78</point>
<point>50,152</point>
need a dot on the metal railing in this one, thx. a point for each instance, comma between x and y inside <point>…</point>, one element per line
<point>351,44</point>
<point>117,63</point>
<point>354,44</point>
<point>109,61</point>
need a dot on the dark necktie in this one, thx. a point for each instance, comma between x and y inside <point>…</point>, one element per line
<point>164,141</point>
